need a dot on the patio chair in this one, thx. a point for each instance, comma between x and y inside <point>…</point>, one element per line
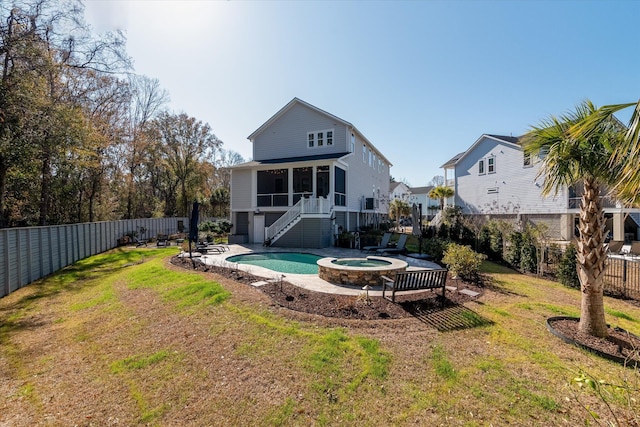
<point>163,240</point>
<point>626,250</point>
<point>614,246</point>
<point>384,243</point>
<point>211,249</point>
<point>398,249</point>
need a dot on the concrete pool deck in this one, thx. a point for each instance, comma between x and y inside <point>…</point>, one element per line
<point>307,281</point>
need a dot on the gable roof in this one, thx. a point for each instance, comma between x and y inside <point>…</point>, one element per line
<point>452,161</point>
<point>297,101</point>
<point>510,140</point>
<point>421,190</point>
<point>289,106</point>
<point>396,184</point>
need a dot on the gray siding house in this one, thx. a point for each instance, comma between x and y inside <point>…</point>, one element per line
<point>494,178</point>
<point>312,175</point>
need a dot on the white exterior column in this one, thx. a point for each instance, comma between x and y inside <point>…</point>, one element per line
<point>290,187</point>
<point>618,226</point>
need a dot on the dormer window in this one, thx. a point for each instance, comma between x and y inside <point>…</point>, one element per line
<point>319,138</point>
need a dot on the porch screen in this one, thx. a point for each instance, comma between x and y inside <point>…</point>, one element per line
<point>273,187</point>
<point>340,187</point>
<point>302,183</point>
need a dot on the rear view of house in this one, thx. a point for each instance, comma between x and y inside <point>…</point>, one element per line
<point>312,175</point>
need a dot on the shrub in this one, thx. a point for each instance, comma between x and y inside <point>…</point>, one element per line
<point>567,272</point>
<point>211,229</point>
<point>514,249</point>
<point>435,247</point>
<point>528,257</point>
<point>463,261</point>
<point>443,231</point>
<point>491,242</point>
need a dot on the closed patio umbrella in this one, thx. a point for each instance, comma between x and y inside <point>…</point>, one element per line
<point>416,219</point>
<point>193,229</point>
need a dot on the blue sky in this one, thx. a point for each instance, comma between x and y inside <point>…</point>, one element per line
<point>422,80</point>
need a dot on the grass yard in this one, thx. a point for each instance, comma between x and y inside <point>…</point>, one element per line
<point>125,338</point>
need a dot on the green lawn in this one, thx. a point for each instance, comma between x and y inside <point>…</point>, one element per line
<point>121,338</point>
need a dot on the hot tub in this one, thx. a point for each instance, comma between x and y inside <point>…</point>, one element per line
<point>358,271</point>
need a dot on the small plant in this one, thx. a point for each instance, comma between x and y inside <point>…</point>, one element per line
<point>626,391</point>
<point>463,261</point>
<point>567,272</point>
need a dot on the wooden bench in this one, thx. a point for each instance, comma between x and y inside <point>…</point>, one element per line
<point>415,280</point>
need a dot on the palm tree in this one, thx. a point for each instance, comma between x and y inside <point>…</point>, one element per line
<point>626,154</point>
<point>441,193</point>
<point>398,208</point>
<point>581,154</point>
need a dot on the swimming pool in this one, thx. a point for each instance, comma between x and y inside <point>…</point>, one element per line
<point>283,262</point>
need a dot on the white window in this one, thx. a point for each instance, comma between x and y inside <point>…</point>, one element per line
<point>543,152</point>
<point>320,138</point>
<point>370,156</point>
<point>353,143</point>
<point>375,160</point>
<point>364,153</point>
<point>481,167</point>
<point>491,164</point>
<point>526,162</point>
<point>492,190</point>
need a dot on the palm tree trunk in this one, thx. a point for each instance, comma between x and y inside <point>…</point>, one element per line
<point>591,261</point>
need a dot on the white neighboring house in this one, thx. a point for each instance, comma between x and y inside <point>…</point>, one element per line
<point>420,196</point>
<point>398,190</point>
<point>312,175</point>
<point>495,178</point>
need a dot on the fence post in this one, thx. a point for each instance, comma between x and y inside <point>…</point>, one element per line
<point>624,277</point>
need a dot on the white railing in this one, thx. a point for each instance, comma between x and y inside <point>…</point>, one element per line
<point>308,206</point>
<point>284,220</point>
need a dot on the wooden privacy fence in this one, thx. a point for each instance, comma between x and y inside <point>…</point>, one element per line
<point>622,276</point>
<point>30,253</point>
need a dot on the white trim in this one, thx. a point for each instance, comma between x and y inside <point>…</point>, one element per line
<point>491,164</point>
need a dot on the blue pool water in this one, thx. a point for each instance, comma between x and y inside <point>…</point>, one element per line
<point>284,262</point>
<point>363,262</point>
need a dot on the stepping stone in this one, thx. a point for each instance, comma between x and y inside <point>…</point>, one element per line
<point>451,288</point>
<point>470,292</point>
<point>260,283</point>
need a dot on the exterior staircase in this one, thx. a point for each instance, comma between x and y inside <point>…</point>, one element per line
<point>304,207</point>
<point>437,220</point>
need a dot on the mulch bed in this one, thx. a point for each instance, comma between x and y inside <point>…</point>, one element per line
<point>619,346</point>
<point>343,306</point>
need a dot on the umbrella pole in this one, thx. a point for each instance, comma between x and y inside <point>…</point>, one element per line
<point>420,222</point>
